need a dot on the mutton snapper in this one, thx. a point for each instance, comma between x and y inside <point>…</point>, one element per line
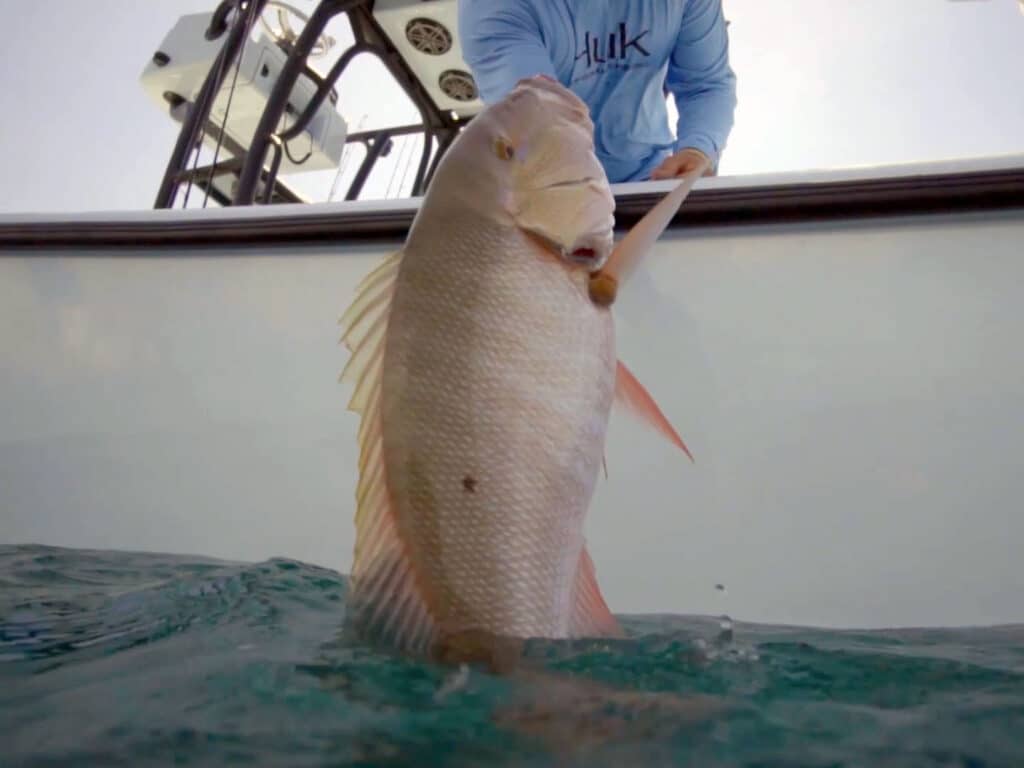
<point>484,375</point>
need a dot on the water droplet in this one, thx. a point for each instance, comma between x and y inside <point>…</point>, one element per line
<point>725,627</point>
<point>455,682</point>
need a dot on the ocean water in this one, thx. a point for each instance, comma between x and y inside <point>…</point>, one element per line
<point>117,658</point>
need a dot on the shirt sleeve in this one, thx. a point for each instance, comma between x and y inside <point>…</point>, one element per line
<point>701,80</point>
<point>502,42</point>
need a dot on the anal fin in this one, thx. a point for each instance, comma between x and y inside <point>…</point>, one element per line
<point>591,616</point>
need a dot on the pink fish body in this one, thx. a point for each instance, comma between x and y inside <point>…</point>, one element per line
<point>484,376</point>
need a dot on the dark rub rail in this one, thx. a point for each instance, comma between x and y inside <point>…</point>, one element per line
<point>918,194</point>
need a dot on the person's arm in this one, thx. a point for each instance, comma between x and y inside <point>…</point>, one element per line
<point>704,87</point>
<point>502,43</point>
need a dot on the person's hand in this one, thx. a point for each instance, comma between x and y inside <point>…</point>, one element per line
<point>683,162</point>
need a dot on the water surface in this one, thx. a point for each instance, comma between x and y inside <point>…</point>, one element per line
<point>118,658</point>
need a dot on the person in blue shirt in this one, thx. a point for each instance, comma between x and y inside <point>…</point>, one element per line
<point>622,59</point>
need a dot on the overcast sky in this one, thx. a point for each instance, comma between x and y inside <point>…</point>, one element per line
<point>822,84</point>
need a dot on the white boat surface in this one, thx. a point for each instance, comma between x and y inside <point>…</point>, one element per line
<point>840,350</point>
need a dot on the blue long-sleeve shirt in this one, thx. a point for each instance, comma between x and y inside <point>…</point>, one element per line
<point>618,57</point>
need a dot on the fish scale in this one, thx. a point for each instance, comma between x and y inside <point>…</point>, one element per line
<point>538,410</point>
<point>484,374</point>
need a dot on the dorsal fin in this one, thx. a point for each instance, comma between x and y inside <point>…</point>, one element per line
<point>590,614</point>
<point>630,393</point>
<point>386,601</point>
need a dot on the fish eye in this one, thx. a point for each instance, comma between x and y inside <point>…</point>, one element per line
<point>503,149</point>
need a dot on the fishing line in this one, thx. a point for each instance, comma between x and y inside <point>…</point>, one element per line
<point>249,13</point>
<point>408,162</point>
<point>198,143</point>
<point>394,170</point>
<point>346,156</point>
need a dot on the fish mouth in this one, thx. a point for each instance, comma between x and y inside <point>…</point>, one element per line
<point>584,256</point>
<point>589,252</point>
<point>580,182</point>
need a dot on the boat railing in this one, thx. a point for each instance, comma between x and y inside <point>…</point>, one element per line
<point>256,180</point>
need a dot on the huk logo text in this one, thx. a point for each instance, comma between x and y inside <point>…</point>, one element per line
<point>599,49</point>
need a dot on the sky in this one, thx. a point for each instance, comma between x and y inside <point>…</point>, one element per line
<point>827,84</point>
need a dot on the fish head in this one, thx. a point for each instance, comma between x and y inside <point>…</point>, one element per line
<point>528,161</point>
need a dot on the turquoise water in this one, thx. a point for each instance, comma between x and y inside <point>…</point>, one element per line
<point>116,658</point>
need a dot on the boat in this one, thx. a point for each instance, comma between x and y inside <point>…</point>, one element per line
<point>840,350</point>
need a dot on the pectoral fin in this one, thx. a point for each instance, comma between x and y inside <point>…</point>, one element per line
<point>630,393</point>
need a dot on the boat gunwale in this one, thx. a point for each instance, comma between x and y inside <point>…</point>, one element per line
<point>969,186</point>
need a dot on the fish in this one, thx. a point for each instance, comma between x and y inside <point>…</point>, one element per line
<point>484,373</point>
